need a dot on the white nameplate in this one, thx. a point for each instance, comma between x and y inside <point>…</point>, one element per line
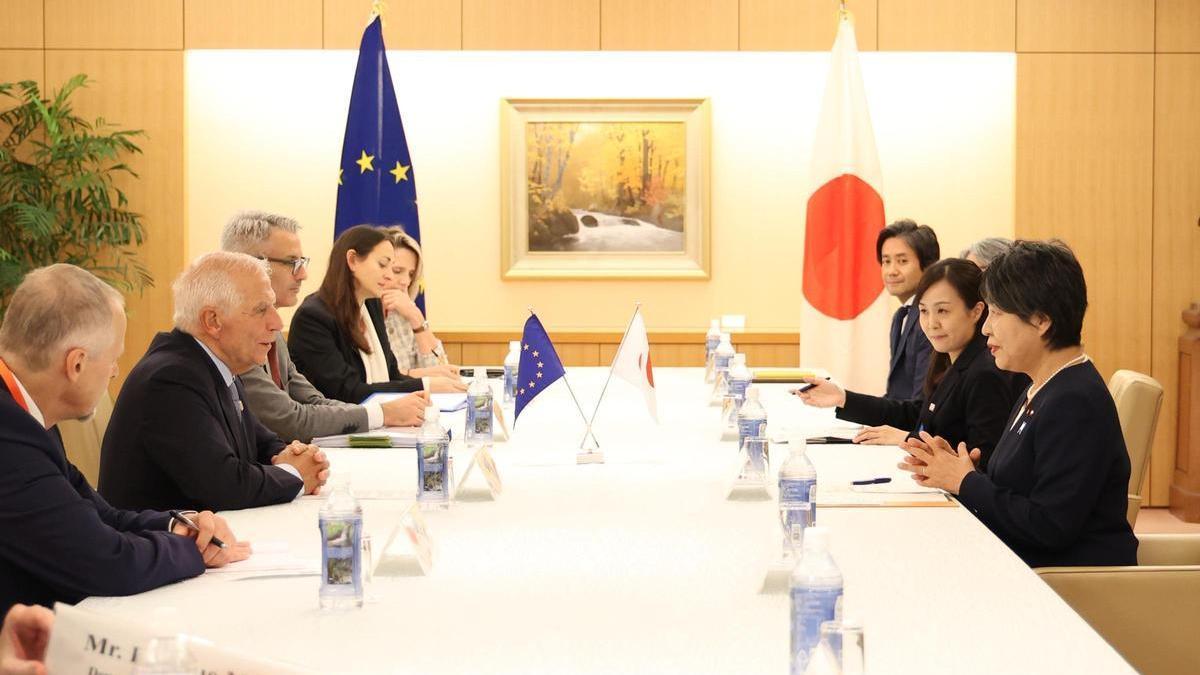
<point>501,431</point>
<point>97,644</point>
<point>491,475</point>
<point>409,548</point>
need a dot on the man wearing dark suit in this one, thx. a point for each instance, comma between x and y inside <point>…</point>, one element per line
<point>60,541</point>
<point>278,394</point>
<point>180,432</point>
<point>904,249</point>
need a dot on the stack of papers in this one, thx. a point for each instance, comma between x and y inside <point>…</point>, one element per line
<point>446,403</point>
<point>387,437</point>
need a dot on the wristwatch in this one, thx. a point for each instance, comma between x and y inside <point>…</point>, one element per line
<point>422,328</point>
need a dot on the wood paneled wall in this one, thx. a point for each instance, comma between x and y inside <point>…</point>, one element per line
<point>1108,151</point>
<point>598,349</point>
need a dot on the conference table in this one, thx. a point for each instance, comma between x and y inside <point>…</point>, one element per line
<point>640,564</point>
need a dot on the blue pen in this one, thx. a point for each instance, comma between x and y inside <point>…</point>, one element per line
<point>872,481</point>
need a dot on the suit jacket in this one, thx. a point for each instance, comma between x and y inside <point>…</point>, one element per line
<point>970,404</point>
<point>297,411</point>
<point>326,353</point>
<point>1055,488</point>
<point>176,440</point>
<point>910,363</point>
<point>59,540</point>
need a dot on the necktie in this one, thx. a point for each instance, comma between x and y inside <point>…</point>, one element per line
<point>273,366</point>
<point>897,322</point>
<point>236,396</point>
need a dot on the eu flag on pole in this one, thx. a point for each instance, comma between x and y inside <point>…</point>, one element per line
<point>540,365</point>
<point>376,185</point>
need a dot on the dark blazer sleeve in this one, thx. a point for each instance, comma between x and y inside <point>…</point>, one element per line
<point>1067,479</point>
<point>988,400</point>
<point>266,442</point>
<point>313,341</point>
<point>56,528</point>
<point>876,411</point>
<point>201,462</point>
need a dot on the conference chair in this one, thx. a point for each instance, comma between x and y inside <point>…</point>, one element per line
<point>1150,613</point>
<point>82,440</point>
<point>1138,398</point>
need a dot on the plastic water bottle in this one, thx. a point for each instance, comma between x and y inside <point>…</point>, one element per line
<point>751,418</point>
<point>341,549</point>
<point>711,340</point>
<point>721,362</point>
<point>511,363</point>
<point>797,495</point>
<point>816,585</point>
<point>739,378</point>
<point>166,655</point>
<point>433,462</point>
<point>479,410</point>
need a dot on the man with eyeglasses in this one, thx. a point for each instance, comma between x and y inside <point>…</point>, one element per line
<point>278,394</point>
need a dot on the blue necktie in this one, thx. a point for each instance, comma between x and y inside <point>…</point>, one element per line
<point>897,322</point>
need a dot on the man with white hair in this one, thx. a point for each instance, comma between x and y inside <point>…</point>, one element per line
<point>280,396</point>
<point>60,541</point>
<point>180,432</point>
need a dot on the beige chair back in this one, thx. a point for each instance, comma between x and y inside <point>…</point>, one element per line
<point>1138,398</point>
<point>82,440</point>
<point>1149,614</point>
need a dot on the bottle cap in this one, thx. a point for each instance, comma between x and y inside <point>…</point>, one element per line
<point>715,324</point>
<point>752,393</point>
<point>797,442</point>
<point>816,539</point>
<point>431,413</point>
<point>514,345</point>
<point>480,373</point>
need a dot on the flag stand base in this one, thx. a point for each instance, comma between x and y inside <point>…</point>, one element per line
<point>589,457</point>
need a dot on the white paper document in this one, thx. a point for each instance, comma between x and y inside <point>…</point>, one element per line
<point>269,558</point>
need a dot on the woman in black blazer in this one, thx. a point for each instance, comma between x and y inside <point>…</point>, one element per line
<point>1055,488</point>
<point>966,398</point>
<point>329,339</point>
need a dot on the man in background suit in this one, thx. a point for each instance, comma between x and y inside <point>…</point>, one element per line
<point>278,394</point>
<point>180,431</point>
<point>904,249</point>
<point>60,541</point>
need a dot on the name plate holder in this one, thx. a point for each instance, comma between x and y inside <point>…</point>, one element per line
<point>408,551</point>
<point>98,644</point>
<point>492,486</point>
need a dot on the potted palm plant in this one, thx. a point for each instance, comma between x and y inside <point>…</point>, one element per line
<point>60,199</point>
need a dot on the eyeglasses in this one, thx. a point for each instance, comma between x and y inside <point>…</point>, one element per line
<point>297,264</point>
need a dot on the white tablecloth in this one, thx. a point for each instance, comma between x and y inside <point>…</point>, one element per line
<point>638,565</point>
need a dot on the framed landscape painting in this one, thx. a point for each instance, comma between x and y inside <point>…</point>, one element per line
<point>605,189</point>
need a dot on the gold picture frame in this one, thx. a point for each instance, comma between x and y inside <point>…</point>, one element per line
<point>605,189</point>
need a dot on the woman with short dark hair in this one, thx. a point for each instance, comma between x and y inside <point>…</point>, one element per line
<point>1055,487</point>
<point>965,398</point>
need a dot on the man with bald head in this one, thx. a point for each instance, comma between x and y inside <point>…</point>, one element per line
<point>60,541</point>
<point>180,431</point>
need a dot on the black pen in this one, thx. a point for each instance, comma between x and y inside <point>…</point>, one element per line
<point>187,522</point>
<point>872,481</point>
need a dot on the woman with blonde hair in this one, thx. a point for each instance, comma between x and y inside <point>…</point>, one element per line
<point>417,350</point>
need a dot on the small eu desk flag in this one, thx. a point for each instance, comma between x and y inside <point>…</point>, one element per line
<point>376,183</point>
<point>539,366</point>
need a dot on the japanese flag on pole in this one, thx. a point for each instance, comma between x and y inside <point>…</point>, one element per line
<point>844,321</point>
<point>632,362</point>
